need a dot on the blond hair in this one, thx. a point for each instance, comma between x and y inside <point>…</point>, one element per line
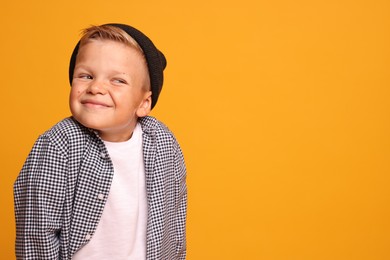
<point>108,32</point>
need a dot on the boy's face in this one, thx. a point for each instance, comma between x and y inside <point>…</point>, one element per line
<point>108,92</point>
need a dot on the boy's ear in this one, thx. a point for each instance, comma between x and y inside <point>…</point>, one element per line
<point>146,105</point>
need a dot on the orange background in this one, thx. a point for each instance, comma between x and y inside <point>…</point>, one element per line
<point>281,107</point>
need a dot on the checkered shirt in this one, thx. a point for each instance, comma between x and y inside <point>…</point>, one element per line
<point>58,193</point>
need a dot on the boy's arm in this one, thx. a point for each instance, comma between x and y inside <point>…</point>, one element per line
<point>180,170</point>
<point>38,199</point>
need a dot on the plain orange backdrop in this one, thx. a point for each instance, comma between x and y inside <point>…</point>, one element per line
<point>281,107</point>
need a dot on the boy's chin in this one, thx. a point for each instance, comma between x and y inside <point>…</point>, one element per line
<point>109,131</point>
<point>91,123</point>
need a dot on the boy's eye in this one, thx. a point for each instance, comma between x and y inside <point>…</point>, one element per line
<point>85,76</point>
<point>120,81</point>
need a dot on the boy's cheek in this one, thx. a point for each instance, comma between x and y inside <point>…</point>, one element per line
<point>73,98</point>
<point>75,90</point>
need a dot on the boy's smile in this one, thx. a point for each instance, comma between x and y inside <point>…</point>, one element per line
<point>91,103</point>
<point>108,88</point>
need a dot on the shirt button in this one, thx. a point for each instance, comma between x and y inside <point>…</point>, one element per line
<point>88,237</point>
<point>103,155</point>
<point>101,196</point>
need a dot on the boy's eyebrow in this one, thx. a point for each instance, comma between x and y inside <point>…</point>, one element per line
<point>111,72</point>
<point>80,66</point>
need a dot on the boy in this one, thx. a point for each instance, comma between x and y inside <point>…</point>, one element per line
<point>108,182</point>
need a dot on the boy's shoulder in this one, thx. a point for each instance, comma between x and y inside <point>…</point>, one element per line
<point>67,129</point>
<point>153,127</point>
<point>150,124</point>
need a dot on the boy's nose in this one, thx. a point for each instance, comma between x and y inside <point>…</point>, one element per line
<point>97,87</point>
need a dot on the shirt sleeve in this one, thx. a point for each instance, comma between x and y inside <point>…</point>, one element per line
<point>181,189</point>
<point>38,200</point>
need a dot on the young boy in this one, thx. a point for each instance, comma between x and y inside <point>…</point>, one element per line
<point>108,182</point>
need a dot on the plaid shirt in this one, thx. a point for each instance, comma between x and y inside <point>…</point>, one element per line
<point>62,188</point>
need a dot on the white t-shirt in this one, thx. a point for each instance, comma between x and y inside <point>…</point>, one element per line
<point>121,232</point>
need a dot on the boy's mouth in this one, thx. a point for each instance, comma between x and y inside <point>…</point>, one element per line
<point>93,103</point>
